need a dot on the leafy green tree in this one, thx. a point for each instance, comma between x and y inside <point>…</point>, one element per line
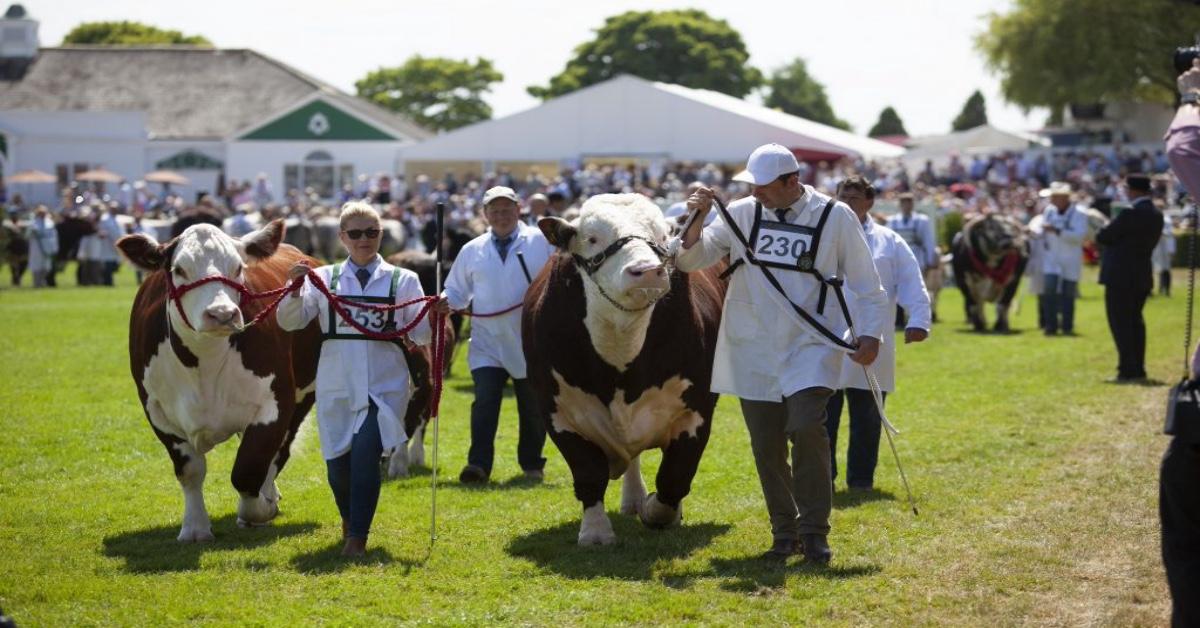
<point>793,90</point>
<point>889,124</point>
<point>126,33</point>
<point>686,47</point>
<point>1056,52</point>
<point>973,114</point>
<point>435,92</point>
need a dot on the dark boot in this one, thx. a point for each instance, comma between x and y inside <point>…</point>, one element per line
<point>816,548</point>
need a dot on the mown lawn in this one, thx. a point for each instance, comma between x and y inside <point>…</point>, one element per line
<point>1036,482</point>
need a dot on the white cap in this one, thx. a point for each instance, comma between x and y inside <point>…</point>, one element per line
<point>500,191</point>
<point>766,164</point>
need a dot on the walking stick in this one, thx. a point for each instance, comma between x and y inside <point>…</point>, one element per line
<point>436,320</point>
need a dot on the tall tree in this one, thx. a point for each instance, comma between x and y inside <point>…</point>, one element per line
<point>793,90</point>
<point>435,92</point>
<point>889,123</point>
<point>973,114</point>
<point>686,47</point>
<point>1056,52</point>
<point>126,33</point>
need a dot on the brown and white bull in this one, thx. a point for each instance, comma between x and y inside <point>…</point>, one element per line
<point>204,379</point>
<point>620,354</point>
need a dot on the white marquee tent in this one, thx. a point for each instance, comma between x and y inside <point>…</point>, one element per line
<point>631,118</point>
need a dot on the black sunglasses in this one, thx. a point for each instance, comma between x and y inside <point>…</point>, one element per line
<point>355,234</point>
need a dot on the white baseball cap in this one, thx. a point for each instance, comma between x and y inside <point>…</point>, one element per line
<point>767,163</point>
<point>500,191</point>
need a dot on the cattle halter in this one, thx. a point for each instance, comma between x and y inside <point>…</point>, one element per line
<point>592,264</point>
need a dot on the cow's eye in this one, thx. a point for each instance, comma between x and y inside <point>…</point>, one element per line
<point>237,272</point>
<point>179,272</point>
<point>591,239</point>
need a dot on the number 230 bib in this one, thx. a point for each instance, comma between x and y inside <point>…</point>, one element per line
<point>783,245</point>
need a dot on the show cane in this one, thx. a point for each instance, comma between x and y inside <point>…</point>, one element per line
<point>438,347</point>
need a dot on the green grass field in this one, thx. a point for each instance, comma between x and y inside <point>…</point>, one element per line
<point>1036,482</point>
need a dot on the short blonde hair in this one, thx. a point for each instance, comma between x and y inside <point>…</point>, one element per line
<point>357,209</point>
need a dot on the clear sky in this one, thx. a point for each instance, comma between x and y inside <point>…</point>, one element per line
<point>915,55</point>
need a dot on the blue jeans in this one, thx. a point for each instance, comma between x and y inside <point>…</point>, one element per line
<point>863,453</point>
<point>1058,298</point>
<point>354,476</point>
<point>485,420</point>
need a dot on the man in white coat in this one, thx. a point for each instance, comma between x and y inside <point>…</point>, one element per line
<point>1063,230</point>
<point>362,383</point>
<point>783,336</point>
<point>491,275</point>
<point>917,230</point>
<point>900,275</point>
<point>108,231</point>
<point>43,246</point>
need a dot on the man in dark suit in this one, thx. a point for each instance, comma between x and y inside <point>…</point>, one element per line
<point>1125,271</point>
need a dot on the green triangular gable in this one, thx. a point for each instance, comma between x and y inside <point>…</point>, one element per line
<point>189,160</point>
<point>318,120</point>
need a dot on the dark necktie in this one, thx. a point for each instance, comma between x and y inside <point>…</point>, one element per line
<point>502,245</point>
<point>364,276</point>
<point>782,214</point>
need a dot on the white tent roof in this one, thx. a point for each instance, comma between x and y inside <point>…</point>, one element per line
<point>630,116</point>
<point>981,139</point>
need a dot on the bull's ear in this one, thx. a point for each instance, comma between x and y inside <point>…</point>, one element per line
<point>261,244</point>
<point>144,252</point>
<point>557,231</point>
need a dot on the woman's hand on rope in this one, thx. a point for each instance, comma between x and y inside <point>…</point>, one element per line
<point>299,270</point>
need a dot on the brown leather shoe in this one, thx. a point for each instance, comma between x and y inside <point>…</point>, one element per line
<point>781,549</point>
<point>816,548</point>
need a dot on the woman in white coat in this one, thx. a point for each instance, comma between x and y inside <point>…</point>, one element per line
<point>43,246</point>
<point>491,274</point>
<point>900,274</point>
<point>362,384</point>
<point>1164,254</point>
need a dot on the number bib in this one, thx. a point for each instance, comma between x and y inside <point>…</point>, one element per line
<point>374,320</point>
<point>784,245</point>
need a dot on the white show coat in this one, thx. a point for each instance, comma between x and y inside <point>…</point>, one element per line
<point>1164,251</point>
<point>917,231</point>
<point>478,278</point>
<point>43,244</point>
<point>900,275</point>
<point>352,372</point>
<point>765,351</point>
<point>1064,250</point>
<point>108,231</point>
<point>1037,253</point>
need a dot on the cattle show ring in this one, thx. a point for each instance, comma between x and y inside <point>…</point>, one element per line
<point>659,341</point>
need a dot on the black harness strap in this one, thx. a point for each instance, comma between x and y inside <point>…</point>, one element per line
<point>593,263</point>
<point>836,283</point>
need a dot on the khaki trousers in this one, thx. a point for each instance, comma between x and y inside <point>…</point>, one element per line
<point>800,496</point>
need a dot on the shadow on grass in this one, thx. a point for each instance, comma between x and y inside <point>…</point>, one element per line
<point>634,556</point>
<point>329,559</point>
<point>756,576</point>
<point>989,332</point>
<point>155,550</point>
<point>851,499</point>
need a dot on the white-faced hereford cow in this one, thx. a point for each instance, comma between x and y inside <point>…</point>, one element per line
<point>620,354</point>
<point>202,378</point>
<point>989,256</point>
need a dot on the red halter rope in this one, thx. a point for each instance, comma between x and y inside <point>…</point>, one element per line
<point>339,305</point>
<point>999,274</point>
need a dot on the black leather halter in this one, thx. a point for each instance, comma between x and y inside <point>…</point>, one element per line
<point>593,263</point>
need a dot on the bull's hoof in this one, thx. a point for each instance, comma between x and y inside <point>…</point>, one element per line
<point>398,463</point>
<point>194,535</point>
<point>1001,328</point>
<point>254,513</point>
<point>656,514</point>
<point>596,529</point>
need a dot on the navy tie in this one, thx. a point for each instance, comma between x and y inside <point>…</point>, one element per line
<point>364,276</point>
<point>782,214</point>
<point>502,245</point>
